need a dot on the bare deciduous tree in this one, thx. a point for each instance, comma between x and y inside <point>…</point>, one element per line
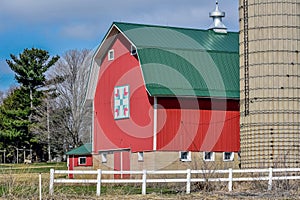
<point>71,120</point>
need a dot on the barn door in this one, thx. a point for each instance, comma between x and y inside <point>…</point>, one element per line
<point>121,163</point>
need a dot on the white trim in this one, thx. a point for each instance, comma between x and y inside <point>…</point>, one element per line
<point>140,156</point>
<point>189,156</point>
<point>121,32</point>
<point>231,157</point>
<point>79,160</point>
<point>104,157</point>
<point>115,26</point>
<point>68,162</point>
<point>155,124</point>
<point>133,50</point>
<point>92,66</point>
<point>109,151</point>
<point>212,156</point>
<point>111,54</point>
<point>93,121</point>
<point>121,163</point>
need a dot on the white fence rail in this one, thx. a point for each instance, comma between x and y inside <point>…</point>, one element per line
<point>229,174</point>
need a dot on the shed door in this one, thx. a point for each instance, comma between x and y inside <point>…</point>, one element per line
<point>121,163</point>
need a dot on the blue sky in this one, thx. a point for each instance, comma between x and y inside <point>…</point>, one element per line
<point>61,25</point>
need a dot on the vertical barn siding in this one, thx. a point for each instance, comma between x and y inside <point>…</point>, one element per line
<point>136,132</point>
<point>117,163</point>
<point>198,125</point>
<point>89,161</point>
<point>73,161</point>
<point>121,163</point>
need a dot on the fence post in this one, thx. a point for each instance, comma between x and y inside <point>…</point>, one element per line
<point>51,182</point>
<point>270,178</point>
<point>230,179</point>
<point>144,182</point>
<point>188,181</point>
<point>40,186</point>
<point>99,174</point>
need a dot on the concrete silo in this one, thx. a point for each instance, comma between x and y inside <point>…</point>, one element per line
<point>270,83</point>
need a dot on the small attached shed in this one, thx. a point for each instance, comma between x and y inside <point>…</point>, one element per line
<point>80,158</point>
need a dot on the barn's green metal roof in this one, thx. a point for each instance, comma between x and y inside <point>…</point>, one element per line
<point>186,62</point>
<point>85,149</point>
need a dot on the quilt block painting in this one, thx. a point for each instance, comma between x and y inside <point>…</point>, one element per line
<point>121,102</point>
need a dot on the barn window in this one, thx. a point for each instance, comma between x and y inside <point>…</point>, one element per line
<point>208,156</point>
<point>140,156</point>
<point>104,157</point>
<point>185,156</point>
<point>132,50</point>
<point>228,156</point>
<point>111,54</point>
<point>81,160</point>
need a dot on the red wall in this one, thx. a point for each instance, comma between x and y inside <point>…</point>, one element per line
<point>137,131</point>
<point>73,161</point>
<point>121,163</point>
<point>183,124</point>
<point>198,125</point>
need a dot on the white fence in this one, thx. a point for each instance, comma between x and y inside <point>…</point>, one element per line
<point>229,174</point>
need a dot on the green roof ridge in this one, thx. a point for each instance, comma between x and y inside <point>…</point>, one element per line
<point>186,61</point>
<point>172,27</point>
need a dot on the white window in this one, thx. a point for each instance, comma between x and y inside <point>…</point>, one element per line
<point>140,156</point>
<point>208,156</point>
<point>185,156</point>
<point>132,50</point>
<point>228,156</point>
<point>81,160</point>
<point>104,157</point>
<point>111,54</point>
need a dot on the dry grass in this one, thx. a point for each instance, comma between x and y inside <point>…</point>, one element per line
<point>24,185</point>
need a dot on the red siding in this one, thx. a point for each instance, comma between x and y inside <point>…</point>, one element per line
<point>121,163</point>
<point>73,161</point>
<point>198,125</point>
<point>137,131</point>
<point>183,124</point>
<point>117,163</point>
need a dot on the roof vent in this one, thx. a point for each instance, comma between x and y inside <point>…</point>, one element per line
<point>217,24</point>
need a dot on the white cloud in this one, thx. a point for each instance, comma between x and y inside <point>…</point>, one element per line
<point>191,12</point>
<point>82,31</point>
<point>90,19</point>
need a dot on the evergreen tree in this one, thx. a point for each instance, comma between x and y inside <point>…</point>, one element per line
<point>14,122</point>
<point>16,111</point>
<point>30,68</point>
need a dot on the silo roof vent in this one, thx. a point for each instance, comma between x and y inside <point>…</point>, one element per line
<point>217,24</point>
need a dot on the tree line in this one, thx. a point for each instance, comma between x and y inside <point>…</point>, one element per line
<point>46,112</point>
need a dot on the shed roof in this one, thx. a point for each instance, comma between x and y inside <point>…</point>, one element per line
<point>85,149</point>
<point>186,62</point>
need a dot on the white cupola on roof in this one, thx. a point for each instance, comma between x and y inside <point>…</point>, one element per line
<point>217,24</point>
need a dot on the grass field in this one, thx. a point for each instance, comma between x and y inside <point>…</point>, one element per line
<point>20,181</point>
<point>31,168</point>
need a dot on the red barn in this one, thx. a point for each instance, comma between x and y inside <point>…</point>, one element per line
<point>80,158</point>
<point>164,97</point>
